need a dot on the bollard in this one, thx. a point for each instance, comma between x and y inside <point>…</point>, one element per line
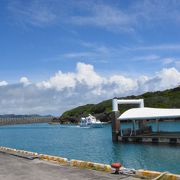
<point>116,166</point>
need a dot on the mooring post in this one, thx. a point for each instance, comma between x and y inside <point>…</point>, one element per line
<point>115,121</point>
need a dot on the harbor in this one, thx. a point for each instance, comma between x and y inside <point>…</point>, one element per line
<point>89,90</point>
<point>98,145</point>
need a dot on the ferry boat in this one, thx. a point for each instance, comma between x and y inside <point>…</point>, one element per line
<point>90,121</point>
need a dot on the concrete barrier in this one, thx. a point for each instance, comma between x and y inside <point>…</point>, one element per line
<point>57,159</point>
<point>155,174</point>
<point>90,165</point>
<point>17,151</point>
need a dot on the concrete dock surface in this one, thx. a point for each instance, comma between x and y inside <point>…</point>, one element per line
<point>18,168</point>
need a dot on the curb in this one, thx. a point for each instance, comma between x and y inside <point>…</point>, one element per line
<point>90,165</point>
<point>56,159</point>
<point>155,174</point>
<point>17,151</point>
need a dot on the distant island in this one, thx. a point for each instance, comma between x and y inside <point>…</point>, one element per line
<point>103,111</point>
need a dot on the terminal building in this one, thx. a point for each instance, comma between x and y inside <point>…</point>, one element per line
<point>144,123</point>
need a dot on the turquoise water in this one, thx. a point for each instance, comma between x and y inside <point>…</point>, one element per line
<point>93,144</point>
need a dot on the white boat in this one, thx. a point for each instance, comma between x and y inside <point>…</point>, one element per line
<point>90,121</point>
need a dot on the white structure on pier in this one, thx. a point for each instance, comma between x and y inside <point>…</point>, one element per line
<point>149,113</point>
<point>140,115</point>
<point>143,112</point>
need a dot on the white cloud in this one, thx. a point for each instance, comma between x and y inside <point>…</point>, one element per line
<point>153,11</point>
<point>59,81</point>
<point>135,15</point>
<point>94,53</point>
<point>160,47</point>
<point>24,80</point>
<point>169,78</point>
<point>36,13</point>
<point>166,78</point>
<point>106,16</point>
<point>66,90</point>
<point>87,75</point>
<point>151,57</point>
<point>98,53</point>
<point>3,83</point>
<point>121,84</point>
<point>111,16</point>
<point>164,61</point>
<point>79,55</point>
<point>177,63</point>
<point>167,61</point>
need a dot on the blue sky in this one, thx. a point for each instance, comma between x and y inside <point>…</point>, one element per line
<point>46,43</point>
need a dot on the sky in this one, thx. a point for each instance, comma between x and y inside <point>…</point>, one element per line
<point>56,54</point>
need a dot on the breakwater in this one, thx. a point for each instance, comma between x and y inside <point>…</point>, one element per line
<point>25,120</point>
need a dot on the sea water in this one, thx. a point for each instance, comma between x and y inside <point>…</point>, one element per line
<point>92,144</point>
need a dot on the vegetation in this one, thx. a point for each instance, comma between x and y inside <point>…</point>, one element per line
<point>160,99</point>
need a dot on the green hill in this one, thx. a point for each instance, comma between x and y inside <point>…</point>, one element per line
<point>160,99</point>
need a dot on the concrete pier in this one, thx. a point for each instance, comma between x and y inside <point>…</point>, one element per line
<point>19,164</point>
<point>16,168</point>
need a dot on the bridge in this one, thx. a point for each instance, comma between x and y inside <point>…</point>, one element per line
<point>25,120</point>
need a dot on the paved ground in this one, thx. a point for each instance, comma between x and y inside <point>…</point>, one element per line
<point>16,168</point>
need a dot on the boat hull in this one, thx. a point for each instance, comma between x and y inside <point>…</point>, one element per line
<point>96,125</point>
<point>93,125</point>
<point>91,122</point>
